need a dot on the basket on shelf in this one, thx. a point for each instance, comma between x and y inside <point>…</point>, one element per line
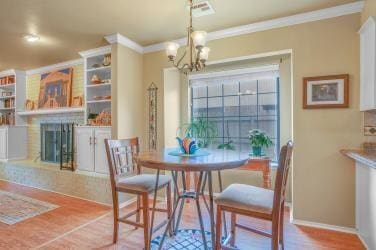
<point>102,119</point>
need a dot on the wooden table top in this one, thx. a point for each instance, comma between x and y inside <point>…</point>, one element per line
<point>216,160</point>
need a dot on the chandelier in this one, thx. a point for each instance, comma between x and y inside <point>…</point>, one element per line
<point>198,53</point>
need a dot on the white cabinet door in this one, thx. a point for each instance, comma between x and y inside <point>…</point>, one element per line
<point>85,148</point>
<point>101,164</point>
<point>3,144</point>
<point>368,65</point>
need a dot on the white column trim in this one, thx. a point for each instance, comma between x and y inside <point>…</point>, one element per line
<point>125,41</point>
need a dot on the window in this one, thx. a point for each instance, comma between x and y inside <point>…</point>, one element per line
<point>236,103</point>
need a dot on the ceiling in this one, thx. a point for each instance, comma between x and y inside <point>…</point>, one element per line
<point>69,26</point>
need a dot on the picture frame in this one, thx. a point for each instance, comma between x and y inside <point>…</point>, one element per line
<point>326,92</point>
<point>77,101</point>
<point>56,89</point>
<point>29,105</point>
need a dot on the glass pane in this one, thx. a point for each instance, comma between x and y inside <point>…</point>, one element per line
<point>268,124</point>
<point>232,127</point>
<point>268,104</point>
<point>272,152</point>
<point>267,85</point>
<point>248,87</point>
<point>236,143</point>
<point>218,125</point>
<point>231,88</point>
<point>215,107</point>
<point>199,107</point>
<point>231,106</point>
<point>215,142</point>
<point>248,105</point>
<point>199,92</point>
<point>244,145</point>
<point>215,90</point>
<point>247,124</point>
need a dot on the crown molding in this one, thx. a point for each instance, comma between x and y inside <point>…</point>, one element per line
<point>340,10</point>
<point>118,38</point>
<point>53,67</point>
<point>96,51</point>
<point>371,20</point>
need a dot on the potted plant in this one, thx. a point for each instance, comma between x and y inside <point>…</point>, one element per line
<point>258,141</point>
<point>202,130</point>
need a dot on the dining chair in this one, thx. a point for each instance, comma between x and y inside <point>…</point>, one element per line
<point>126,177</point>
<point>240,199</point>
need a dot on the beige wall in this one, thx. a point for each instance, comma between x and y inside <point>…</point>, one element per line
<point>323,180</point>
<point>369,9</point>
<point>172,104</point>
<point>127,92</point>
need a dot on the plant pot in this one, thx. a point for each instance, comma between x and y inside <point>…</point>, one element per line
<point>256,150</point>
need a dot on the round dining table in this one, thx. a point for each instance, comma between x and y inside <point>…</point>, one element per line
<point>204,162</point>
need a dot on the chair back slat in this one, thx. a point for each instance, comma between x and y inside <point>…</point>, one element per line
<point>282,177</point>
<point>120,156</point>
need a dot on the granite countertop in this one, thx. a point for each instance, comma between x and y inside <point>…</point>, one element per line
<point>361,156</point>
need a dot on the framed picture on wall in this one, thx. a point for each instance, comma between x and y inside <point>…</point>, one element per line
<point>55,89</point>
<point>326,92</point>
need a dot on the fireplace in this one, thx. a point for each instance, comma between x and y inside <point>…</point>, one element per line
<point>57,144</point>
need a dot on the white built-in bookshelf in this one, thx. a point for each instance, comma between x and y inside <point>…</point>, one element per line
<point>12,96</point>
<point>97,93</point>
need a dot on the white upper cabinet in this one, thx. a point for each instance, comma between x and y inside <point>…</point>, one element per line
<point>368,65</point>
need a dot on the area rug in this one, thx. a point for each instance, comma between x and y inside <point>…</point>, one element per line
<point>184,239</point>
<point>15,208</point>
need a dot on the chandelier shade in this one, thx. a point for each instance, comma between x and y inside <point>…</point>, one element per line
<point>172,49</point>
<point>199,38</point>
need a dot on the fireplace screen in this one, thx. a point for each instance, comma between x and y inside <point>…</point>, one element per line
<point>57,144</point>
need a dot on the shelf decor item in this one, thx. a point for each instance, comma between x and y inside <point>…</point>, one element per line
<point>258,141</point>
<point>326,92</point>
<point>103,118</point>
<point>55,89</point>
<point>6,94</point>
<point>95,79</point>
<point>153,115</point>
<point>77,101</point>
<point>29,105</point>
<point>107,60</point>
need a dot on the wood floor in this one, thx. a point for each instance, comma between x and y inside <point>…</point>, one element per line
<point>79,224</point>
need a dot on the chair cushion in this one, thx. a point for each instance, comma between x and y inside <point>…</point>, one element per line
<point>141,183</point>
<point>245,197</point>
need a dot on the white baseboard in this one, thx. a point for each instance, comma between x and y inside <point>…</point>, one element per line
<point>324,226</point>
<point>363,242</point>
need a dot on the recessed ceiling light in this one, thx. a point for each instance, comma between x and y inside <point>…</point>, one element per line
<point>31,38</point>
